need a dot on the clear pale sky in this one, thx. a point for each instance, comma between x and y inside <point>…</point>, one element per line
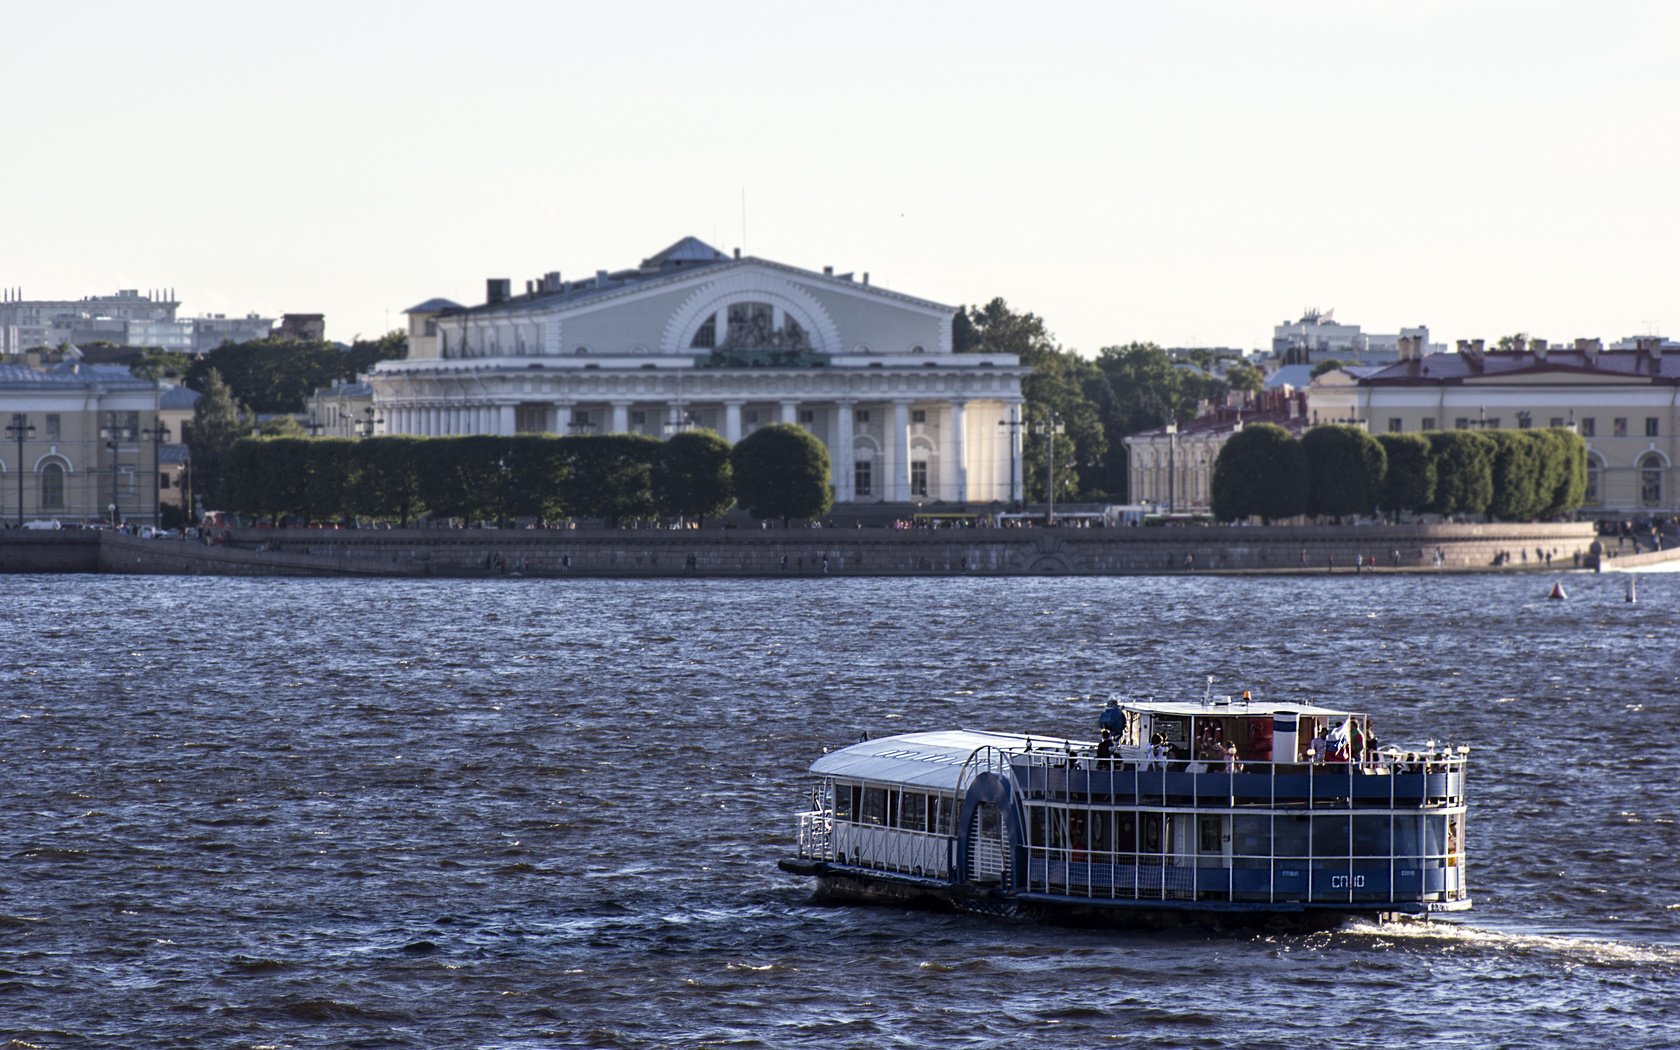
<point>1188,173</point>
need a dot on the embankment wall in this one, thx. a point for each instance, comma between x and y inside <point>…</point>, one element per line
<point>798,551</point>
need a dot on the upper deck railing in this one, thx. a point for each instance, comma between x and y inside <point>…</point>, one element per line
<point>1428,779</point>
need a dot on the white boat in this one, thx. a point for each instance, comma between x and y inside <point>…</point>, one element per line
<point>1300,819</point>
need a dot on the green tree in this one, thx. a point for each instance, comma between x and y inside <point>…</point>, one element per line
<point>1515,342</point>
<point>386,477</point>
<point>272,375</point>
<point>218,421</point>
<point>692,477</point>
<point>1261,471</point>
<point>1409,482</point>
<point>1245,377</point>
<point>365,353</point>
<point>1516,476</point>
<point>610,476</point>
<point>781,471</point>
<point>1345,468</point>
<point>281,426</point>
<point>156,363</point>
<point>1062,383</point>
<point>1327,365</point>
<point>1463,461</point>
<point>1566,458</point>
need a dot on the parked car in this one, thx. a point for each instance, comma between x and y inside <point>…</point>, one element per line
<point>42,524</point>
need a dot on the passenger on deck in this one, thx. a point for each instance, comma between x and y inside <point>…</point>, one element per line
<point>1105,746</point>
<point>1231,763</point>
<point>1113,719</point>
<point>1319,744</point>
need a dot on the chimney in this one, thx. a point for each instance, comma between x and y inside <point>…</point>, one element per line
<point>737,253</point>
<point>1539,348</point>
<point>496,290</point>
<point>1471,351</point>
<point>828,271</point>
<point>600,278</point>
<point>551,281</point>
<point>1588,349</point>
<point>530,287</point>
<point>866,278</point>
<point>1408,348</point>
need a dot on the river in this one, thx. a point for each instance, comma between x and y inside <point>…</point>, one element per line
<point>522,813</point>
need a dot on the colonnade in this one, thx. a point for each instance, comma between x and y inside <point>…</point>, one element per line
<point>847,427</point>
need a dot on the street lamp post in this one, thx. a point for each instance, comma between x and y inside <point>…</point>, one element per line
<point>1172,466</point>
<point>20,428</point>
<point>363,427</point>
<point>1013,424</point>
<point>1051,428</point>
<point>158,433</point>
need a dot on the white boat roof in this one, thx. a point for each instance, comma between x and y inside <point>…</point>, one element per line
<point>1221,708</point>
<point>929,760</point>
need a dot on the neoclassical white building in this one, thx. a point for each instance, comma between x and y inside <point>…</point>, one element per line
<point>694,337</point>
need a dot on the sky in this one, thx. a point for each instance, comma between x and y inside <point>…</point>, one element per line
<point>1182,173</point>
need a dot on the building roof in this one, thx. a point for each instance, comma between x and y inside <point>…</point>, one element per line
<point>434,305</point>
<point>178,398</point>
<point>1290,375</point>
<point>687,250</point>
<point>673,263</point>
<point>71,374</point>
<point>1565,364</point>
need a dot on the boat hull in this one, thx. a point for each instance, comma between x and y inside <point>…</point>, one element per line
<point>843,884</point>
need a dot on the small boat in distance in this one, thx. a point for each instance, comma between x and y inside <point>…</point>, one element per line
<point>1228,811</point>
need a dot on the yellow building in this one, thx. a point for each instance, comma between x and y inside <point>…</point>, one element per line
<point>1625,401</point>
<point>81,443</point>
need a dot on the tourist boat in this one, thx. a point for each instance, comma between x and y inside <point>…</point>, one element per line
<point>1229,810</point>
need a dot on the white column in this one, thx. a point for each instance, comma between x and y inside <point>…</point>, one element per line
<point>899,440</point>
<point>507,422</point>
<point>840,454</point>
<point>620,417</point>
<point>731,417</point>
<point>956,453</point>
<point>563,419</point>
<point>790,412</point>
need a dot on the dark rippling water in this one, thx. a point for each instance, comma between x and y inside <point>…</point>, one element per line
<point>518,813</point>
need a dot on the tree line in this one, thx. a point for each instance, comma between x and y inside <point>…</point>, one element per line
<point>1125,389</point>
<point>777,471</point>
<point>1337,471</point>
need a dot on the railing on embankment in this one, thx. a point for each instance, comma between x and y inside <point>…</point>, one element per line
<point>808,552</point>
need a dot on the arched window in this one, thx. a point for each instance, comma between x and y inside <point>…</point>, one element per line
<point>1650,480</point>
<point>52,487</point>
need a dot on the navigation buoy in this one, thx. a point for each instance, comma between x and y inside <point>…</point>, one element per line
<point>1557,594</point>
<point>1633,590</point>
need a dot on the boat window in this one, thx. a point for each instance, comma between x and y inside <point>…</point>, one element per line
<point>1330,836</point>
<point>1291,836</point>
<point>874,807</point>
<point>1125,833</point>
<point>1150,837</point>
<point>913,814</point>
<point>1435,836</point>
<point>1210,835</point>
<point>845,801</point>
<point>1371,836</point>
<point>1173,729</point>
<point>1250,839</point>
<point>1406,836</point>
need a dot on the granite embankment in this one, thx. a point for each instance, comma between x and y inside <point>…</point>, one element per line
<point>813,552</point>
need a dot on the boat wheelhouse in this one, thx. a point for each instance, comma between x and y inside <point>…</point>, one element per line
<point>1234,810</point>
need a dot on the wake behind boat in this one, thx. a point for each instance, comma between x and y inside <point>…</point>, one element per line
<point>1224,811</point>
